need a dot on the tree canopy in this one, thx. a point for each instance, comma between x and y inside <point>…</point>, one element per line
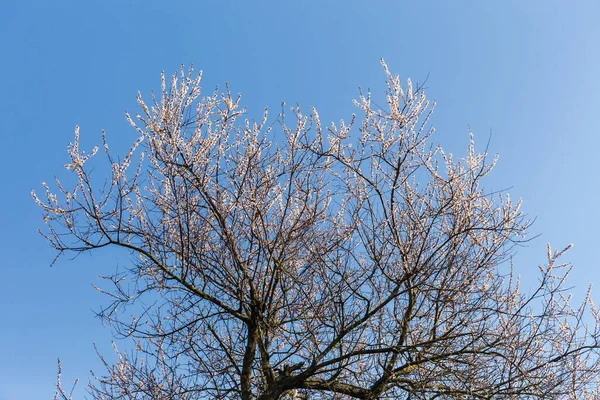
<point>281,258</point>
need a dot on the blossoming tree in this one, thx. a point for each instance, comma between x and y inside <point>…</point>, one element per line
<point>297,260</point>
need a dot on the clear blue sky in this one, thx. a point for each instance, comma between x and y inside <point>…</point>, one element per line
<point>529,71</point>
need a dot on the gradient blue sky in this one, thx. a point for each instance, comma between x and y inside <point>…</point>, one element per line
<point>528,71</point>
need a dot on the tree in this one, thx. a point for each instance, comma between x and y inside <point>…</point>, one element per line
<point>292,260</point>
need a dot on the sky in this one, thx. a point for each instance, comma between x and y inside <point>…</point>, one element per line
<point>526,72</point>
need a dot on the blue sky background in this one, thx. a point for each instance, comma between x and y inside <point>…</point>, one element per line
<point>528,71</point>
